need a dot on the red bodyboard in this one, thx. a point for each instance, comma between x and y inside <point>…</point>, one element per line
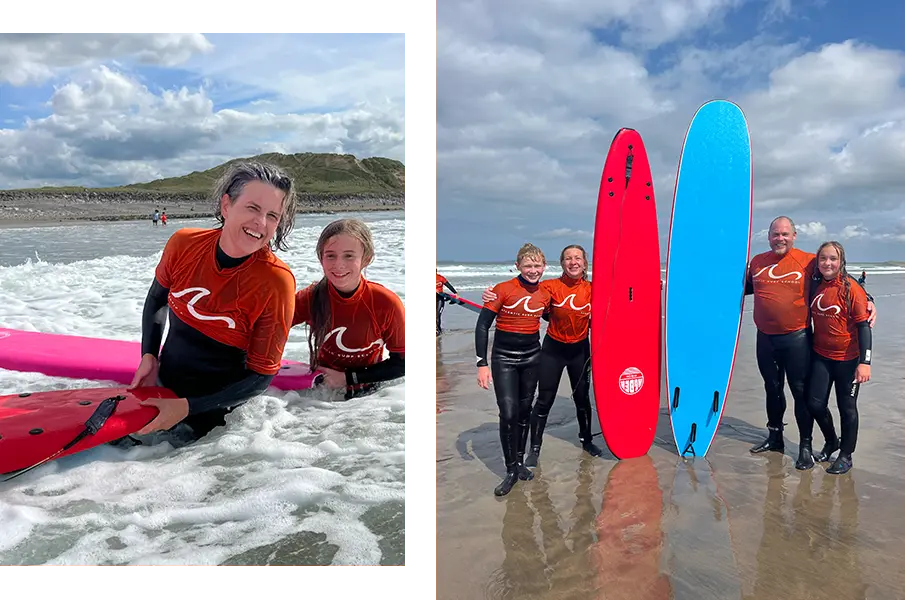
<point>626,301</point>
<point>35,426</point>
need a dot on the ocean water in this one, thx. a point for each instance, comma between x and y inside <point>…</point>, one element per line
<point>471,279</point>
<point>293,479</point>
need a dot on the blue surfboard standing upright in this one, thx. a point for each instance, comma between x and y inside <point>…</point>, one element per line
<point>709,244</point>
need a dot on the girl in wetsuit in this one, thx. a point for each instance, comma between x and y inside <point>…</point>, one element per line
<point>230,303</point>
<point>515,362</point>
<point>351,320</point>
<point>840,359</point>
<point>566,346</point>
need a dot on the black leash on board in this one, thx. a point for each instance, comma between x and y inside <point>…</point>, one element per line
<point>94,423</point>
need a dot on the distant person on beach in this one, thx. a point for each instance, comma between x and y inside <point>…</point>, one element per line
<point>863,278</point>
<point>515,362</point>
<point>566,346</point>
<point>230,303</point>
<point>155,216</point>
<point>351,320</point>
<point>441,301</point>
<point>841,358</point>
<point>779,280</point>
<point>163,217</point>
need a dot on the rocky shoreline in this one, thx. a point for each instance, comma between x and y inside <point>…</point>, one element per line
<point>34,206</point>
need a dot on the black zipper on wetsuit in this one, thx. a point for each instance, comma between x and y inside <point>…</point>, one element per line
<point>94,423</point>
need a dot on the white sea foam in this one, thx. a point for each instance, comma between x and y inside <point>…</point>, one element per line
<point>293,478</point>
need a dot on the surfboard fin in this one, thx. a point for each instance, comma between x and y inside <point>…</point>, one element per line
<point>716,402</point>
<point>691,439</point>
<point>675,399</point>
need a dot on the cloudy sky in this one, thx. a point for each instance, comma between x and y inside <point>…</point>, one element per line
<point>111,109</point>
<point>528,101</point>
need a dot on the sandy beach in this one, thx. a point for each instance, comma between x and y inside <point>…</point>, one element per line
<point>735,525</point>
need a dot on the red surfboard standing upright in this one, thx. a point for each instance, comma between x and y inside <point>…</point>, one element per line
<point>626,300</point>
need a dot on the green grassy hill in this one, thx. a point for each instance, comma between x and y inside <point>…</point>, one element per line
<point>335,174</point>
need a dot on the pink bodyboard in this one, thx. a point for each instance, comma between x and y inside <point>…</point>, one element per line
<point>103,359</point>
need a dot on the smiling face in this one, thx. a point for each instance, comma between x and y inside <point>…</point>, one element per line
<point>782,236</point>
<point>829,262</point>
<point>531,268</point>
<point>250,221</point>
<point>343,260</point>
<point>574,263</point>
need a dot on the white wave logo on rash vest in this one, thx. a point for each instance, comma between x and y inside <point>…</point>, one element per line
<point>523,299</point>
<point>339,331</point>
<point>571,299</point>
<point>202,292</point>
<point>772,275</point>
<point>631,381</point>
<point>823,309</point>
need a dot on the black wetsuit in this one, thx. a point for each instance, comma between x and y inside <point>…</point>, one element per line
<point>787,355</point>
<point>575,359</point>
<point>515,366</point>
<point>211,375</point>
<point>827,373</point>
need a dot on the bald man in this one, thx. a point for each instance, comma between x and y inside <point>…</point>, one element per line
<point>780,280</point>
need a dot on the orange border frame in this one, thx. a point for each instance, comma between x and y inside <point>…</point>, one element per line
<point>417,19</point>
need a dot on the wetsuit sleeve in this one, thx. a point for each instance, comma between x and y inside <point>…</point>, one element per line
<point>394,334</point>
<point>152,319</point>
<point>859,314</point>
<point>271,329</point>
<point>865,341</point>
<point>482,335</point>
<point>253,384</point>
<point>450,286</point>
<point>391,368</point>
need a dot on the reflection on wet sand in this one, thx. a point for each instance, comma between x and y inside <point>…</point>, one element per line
<point>626,557</point>
<point>733,526</point>
<point>554,563</point>
<point>700,558</point>
<point>809,548</point>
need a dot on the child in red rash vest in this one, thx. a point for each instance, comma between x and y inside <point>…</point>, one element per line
<point>351,320</point>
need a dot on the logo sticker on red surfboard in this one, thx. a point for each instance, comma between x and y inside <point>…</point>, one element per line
<point>631,381</point>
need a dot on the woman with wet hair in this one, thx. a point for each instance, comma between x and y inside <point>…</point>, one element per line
<point>840,359</point>
<point>229,301</point>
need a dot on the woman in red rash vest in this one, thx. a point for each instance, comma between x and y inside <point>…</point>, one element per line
<point>840,358</point>
<point>230,303</point>
<point>566,346</point>
<point>351,320</point>
<point>515,362</point>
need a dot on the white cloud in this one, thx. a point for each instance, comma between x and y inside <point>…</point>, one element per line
<point>814,230</point>
<point>565,232</point>
<point>110,126</point>
<point>528,103</point>
<point>33,58</point>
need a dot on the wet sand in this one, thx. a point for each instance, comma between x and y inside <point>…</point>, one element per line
<point>735,525</point>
